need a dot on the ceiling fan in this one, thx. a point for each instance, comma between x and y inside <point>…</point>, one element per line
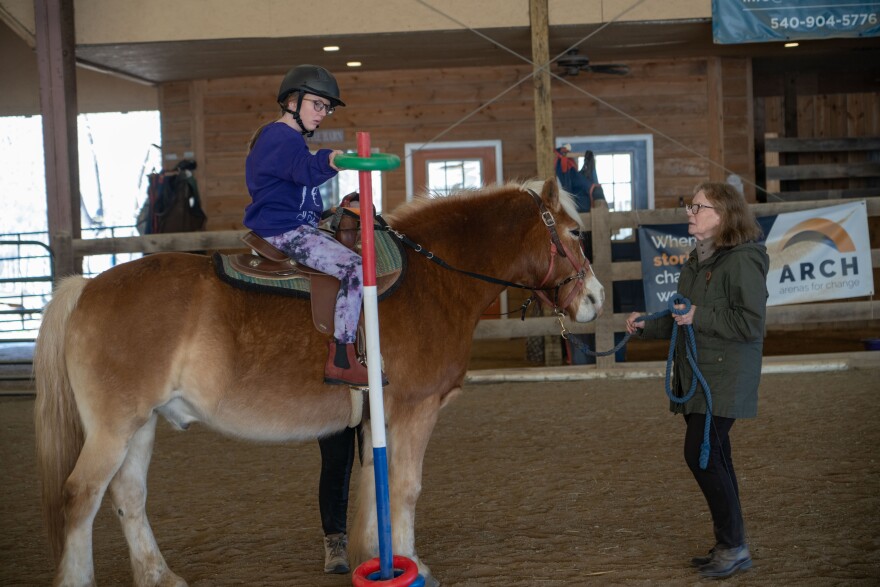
<point>572,63</point>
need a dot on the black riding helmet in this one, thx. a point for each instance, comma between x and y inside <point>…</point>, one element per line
<point>312,79</point>
<point>308,79</point>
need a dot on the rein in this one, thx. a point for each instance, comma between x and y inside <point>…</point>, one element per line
<point>691,348</point>
<point>556,248</point>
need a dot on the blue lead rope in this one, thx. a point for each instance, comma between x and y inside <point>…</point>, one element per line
<point>691,347</point>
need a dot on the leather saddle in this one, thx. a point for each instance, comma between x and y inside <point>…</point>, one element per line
<point>271,263</point>
<point>270,270</point>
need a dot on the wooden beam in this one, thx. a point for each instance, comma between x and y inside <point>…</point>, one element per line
<point>198,89</point>
<point>830,194</point>
<point>824,171</point>
<point>790,125</point>
<point>715,118</point>
<point>539,326</point>
<point>539,21</point>
<point>788,145</point>
<point>540,25</point>
<point>157,243</point>
<point>771,159</point>
<point>603,269</point>
<point>751,193</point>
<point>56,55</point>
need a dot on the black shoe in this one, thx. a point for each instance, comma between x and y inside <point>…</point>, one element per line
<point>699,561</point>
<point>727,561</point>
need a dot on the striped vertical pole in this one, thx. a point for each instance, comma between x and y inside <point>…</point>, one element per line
<point>374,364</point>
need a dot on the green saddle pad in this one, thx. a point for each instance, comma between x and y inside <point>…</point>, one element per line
<point>390,269</point>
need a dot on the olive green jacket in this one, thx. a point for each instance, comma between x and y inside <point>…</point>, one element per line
<point>729,290</point>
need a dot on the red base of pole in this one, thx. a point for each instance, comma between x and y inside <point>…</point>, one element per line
<point>365,574</point>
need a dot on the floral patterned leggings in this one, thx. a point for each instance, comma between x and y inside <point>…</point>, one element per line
<point>318,250</point>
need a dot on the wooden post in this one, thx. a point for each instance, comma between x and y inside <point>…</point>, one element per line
<point>715,115</point>
<point>771,159</point>
<point>56,55</point>
<point>600,221</point>
<point>540,25</point>
<point>790,128</point>
<point>539,19</point>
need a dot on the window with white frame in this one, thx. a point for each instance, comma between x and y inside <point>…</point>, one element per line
<point>624,169</point>
<point>615,176</point>
<point>445,177</point>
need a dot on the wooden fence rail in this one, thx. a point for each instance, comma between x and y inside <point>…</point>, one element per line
<point>851,164</point>
<point>603,224</point>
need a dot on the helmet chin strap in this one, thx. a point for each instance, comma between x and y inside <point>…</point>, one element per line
<point>299,101</point>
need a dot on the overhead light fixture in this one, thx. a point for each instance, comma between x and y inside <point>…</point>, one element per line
<point>354,64</point>
<point>790,45</point>
<point>331,48</point>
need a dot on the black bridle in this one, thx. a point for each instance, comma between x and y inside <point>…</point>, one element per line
<point>540,291</point>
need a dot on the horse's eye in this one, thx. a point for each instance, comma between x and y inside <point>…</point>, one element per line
<point>575,233</point>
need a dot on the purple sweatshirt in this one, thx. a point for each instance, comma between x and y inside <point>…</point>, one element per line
<point>282,177</point>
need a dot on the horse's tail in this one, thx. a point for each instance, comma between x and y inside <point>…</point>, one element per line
<point>59,431</point>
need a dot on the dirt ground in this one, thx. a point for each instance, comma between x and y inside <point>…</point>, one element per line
<point>525,484</point>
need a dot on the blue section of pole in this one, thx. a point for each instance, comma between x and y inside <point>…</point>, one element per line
<point>383,513</point>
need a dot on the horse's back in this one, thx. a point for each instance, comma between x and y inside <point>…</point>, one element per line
<point>148,297</point>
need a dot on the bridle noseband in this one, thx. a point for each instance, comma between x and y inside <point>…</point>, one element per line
<point>557,248</point>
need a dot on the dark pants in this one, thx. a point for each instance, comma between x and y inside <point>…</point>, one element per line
<point>718,480</point>
<point>337,456</point>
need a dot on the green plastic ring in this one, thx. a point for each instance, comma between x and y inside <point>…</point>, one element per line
<point>375,162</point>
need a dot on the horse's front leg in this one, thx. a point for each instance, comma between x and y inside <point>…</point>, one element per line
<point>409,430</point>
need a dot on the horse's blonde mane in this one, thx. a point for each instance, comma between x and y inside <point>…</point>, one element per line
<point>566,200</point>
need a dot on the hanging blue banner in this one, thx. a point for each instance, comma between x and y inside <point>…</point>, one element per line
<point>663,249</point>
<point>755,21</point>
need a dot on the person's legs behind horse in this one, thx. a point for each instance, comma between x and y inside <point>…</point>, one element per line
<point>337,457</point>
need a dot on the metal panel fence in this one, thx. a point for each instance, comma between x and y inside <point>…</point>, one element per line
<point>26,276</point>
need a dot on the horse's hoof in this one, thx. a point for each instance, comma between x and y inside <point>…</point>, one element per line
<point>169,579</point>
<point>431,581</point>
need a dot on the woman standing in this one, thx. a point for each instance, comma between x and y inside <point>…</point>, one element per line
<point>725,280</point>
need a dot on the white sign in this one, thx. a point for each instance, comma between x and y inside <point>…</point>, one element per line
<point>820,254</point>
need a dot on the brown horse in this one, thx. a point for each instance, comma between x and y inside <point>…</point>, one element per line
<point>162,335</point>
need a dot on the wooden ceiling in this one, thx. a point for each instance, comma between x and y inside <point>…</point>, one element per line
<point>187,60</point>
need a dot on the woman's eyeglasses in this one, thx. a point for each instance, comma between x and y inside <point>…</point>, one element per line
<point>695,208</point>
<point>321,107</point>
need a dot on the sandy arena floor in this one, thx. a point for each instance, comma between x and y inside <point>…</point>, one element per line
<point>525,484</point>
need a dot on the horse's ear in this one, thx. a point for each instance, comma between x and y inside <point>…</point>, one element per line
<point>550,193</point>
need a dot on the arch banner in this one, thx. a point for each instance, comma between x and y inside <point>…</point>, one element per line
<point>815,255</point>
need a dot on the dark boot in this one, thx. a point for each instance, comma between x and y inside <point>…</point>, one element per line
<point>727,561</point>
<point>699,561</point>
<point>343,366</point>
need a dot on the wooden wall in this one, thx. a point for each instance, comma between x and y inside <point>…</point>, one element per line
<point>698,110</point>
<point>827,116</point>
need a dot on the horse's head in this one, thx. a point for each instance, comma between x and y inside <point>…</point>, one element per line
<point>569,283</point>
